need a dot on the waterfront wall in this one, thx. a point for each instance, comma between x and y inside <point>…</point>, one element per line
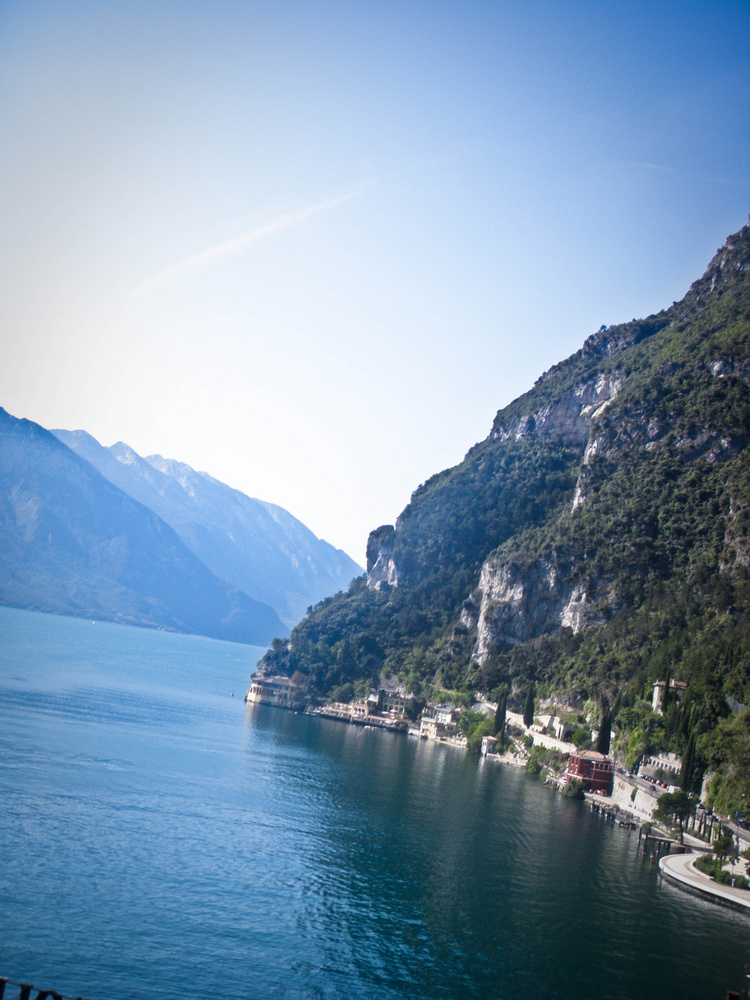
<point>645,799</point>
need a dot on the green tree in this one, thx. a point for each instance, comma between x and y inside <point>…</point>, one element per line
<point>574,790</point>
<point>637,746</point>
<point>677,805</point>
<point>687,771</point>
<point>535,760</point>
<point>474,725</point>
<point>581,739</point>
<point>474,740</point>
<point>667,696</point>
<point>498,728</point>
<point>528,708</point>
<point>414,708</point>
<point>730,788</point>
<point>343,693</point>
<point>722,846</point>
<point>605,731</point>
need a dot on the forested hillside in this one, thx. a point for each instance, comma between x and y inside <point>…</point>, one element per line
<point>595,541</point>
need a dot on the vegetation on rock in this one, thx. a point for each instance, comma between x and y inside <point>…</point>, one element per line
<point>594,542</point>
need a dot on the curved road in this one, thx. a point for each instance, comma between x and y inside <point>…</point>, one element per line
<point>680,868</point>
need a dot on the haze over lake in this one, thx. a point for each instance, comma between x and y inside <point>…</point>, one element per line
<point>159,840</point>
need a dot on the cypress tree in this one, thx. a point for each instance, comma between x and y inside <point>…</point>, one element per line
<point>605,731</point>
<point>687,771</point>
<point>498,728</point>
<point>528,708</point>
<point>666,696</point>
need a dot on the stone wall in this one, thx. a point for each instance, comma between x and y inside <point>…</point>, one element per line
<point>645,798</point>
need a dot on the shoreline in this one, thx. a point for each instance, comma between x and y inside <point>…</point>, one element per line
<point>680,869</point>
<point>366,722</point>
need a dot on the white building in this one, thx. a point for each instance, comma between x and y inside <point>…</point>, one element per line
<point>676,688</point>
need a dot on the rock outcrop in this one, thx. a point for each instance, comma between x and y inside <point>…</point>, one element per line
<point>514,603</point>
<point>381,566</point>
<point>604,515</point>
<point>567,419</point>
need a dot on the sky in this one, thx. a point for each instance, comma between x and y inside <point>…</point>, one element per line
<point>312,246</point>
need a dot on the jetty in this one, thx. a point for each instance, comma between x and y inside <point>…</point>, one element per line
<point>365,721</point>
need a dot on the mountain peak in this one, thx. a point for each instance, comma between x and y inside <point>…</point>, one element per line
<point>125,454</point>
<point>726,271</point>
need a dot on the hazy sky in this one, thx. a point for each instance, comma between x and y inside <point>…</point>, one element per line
<point>312,247</point>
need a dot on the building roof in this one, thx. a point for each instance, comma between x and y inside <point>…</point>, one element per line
<point>277,681</point>
<point>591,755</point>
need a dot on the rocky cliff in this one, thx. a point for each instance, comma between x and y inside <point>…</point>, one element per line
<point>617,399</point>
<point>596,533</point>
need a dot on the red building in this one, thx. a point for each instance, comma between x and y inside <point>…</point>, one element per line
<point>595,771</point>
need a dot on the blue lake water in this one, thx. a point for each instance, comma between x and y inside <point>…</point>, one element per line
<point>159,839</point>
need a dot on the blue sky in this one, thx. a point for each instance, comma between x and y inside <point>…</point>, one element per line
<point>312,247</point>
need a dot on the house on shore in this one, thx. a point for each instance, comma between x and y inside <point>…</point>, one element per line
<point>394,703</point>
<point>595,771</point>
<point>438,722</point>
<point>278,691</point>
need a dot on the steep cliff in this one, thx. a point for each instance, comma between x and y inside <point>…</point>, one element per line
<point>598,534</point>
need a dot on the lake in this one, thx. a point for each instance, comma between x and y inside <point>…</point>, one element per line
<point>159,839</point>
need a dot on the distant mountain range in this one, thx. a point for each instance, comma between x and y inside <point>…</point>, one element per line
<point>104,533</point>
<point>258,547</point>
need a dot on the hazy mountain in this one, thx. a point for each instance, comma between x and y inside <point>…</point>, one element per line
<point>595,541</point>
<point>71,542</point>
<point>258,547</point>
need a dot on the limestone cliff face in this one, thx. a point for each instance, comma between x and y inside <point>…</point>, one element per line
<point>381,566</point>
<point>617,484</point>
<point>737,546</point>
<point>515,603</point>
<point>642,427</point>
<point>567,419</point>
<point>518,599</point>
<point>727,270</point>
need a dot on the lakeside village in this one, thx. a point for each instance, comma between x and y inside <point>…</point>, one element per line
<point>703,853</point>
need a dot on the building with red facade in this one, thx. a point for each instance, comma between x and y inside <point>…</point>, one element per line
<point>595,771</point>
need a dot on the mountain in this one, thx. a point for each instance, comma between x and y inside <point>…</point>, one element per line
<point>73,543</point>
<point>594,542</point>
<point>258,547</point>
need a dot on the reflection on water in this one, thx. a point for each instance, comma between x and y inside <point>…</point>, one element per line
<point>160,839</point>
